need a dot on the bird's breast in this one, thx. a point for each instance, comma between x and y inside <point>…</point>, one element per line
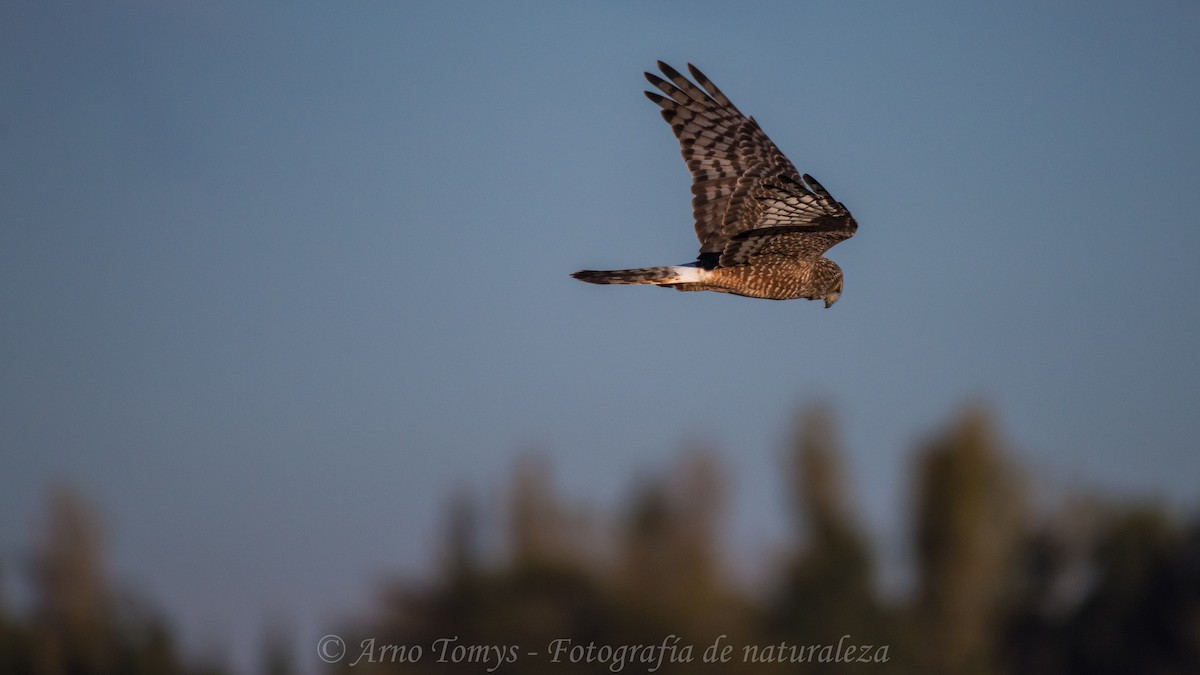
<point>771,277</point>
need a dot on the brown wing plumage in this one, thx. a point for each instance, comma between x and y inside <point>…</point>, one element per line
<point>748,199</point>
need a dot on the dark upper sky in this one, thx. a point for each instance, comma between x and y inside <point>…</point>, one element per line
<point>276,279</point>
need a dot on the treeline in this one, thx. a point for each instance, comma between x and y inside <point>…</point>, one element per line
<point>78,623</point>
<point>1000,584</point>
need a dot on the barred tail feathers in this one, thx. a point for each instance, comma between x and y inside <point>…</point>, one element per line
<point>660,276</point>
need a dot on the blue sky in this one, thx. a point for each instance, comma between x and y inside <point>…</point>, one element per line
<point>275,280</point>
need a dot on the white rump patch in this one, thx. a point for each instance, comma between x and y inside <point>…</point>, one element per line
<point>688,274</point>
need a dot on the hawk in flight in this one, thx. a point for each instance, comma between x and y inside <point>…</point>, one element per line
<point>763,227</point>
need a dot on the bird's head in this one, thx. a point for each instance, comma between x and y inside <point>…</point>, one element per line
<point>834,288</point>
<point>832,295</point>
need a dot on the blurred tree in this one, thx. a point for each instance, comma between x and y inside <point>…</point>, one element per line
<point>277,649</point>
<point>143,642</point>
<point>79,625</point>
<point>546,589</point>
<point>545,531</point>
<point>1143,613</point>
<point>670,568</point>
<point>73,630</point>
<point>16,655</point>
<point>968,520</point>
<point>826,590</point>
<point>554,585</point>
<point>462,555</point>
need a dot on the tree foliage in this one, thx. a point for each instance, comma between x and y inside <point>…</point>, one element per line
<point>999,585</point>
<point>998,588</point>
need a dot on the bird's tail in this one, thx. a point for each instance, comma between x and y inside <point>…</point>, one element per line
<point>660,276</point>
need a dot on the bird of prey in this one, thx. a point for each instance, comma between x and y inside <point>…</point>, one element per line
<point>763,227</point>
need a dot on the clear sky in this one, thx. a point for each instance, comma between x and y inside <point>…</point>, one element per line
<point>277,278</point>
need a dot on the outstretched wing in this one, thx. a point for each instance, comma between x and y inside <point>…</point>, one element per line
<point>786,217</point>
<point>745,191</point>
